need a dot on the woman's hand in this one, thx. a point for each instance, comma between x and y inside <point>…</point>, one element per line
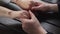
<point>19,14</point>
<point>32,25</point>
<point>13,14</point>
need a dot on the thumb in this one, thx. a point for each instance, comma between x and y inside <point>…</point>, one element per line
<point>32,15</point>
<point>35,7</point>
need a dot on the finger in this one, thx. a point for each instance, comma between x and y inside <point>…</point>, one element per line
<point>35,8</point>
<point>32,15</point>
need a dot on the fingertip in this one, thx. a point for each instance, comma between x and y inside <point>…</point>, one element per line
<point>29,11</point>
<point>34,8</point>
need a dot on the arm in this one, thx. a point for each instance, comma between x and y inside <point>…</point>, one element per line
<point>40,30</point>
<point>44,6</point>
<point>5,11</point>
<point>53,7</point>
<point>12,14</point>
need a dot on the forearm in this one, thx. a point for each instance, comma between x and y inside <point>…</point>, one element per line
<point>39,30</point>
<point>42,30</point>
<point>53,7</point>
<point>5,12</point>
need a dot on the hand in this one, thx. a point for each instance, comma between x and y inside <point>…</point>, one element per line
<point>25,4</point>
<point>32,26</point>
<point>41,6</point>
<point>19,14</point>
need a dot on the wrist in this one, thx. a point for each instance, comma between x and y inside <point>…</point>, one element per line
<point>5,12</point>
<point>39,30</point>
<point>42,30</point>
<point>53,7</point>
<point>14,14</point>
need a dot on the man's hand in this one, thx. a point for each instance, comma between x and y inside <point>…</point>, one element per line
<point>41,6</point>
<point>44,6</point>
<point>34,4</point>
<point>32,25</point>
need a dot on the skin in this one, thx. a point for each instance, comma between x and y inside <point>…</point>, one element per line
<point>22,3</point>
<point>43,6</point>
<point>32,25</point>
<point>13,14</point>
<point>25,4</point>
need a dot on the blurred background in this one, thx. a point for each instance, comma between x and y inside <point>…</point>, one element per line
<point>50,1</point>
